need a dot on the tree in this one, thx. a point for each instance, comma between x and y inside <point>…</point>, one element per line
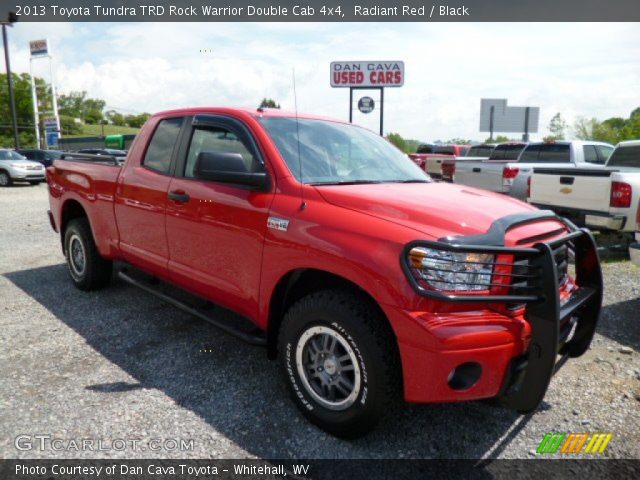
<point>584,127</point>
<point>268,103</point>
<point>77,105</point>
<point>24,109</point>
<point>136,121</point>
<point>498,139</point>
<point>557,127</point>
<point>398,141</point>
<point>69,126</point>
<point>115,118</point>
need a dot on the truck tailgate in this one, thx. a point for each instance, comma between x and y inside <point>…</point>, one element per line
<point>583,189</point>
<point>486,174</point>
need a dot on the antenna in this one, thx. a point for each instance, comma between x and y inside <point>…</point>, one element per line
<point>303,204</point>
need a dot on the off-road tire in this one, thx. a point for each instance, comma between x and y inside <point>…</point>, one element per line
<point>5,180</point>
<point>370,339</point>
<point>94,272</point>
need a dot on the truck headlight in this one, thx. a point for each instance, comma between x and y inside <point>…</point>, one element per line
<point>450,271</point>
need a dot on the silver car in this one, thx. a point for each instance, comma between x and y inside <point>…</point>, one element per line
<point>16,168</point>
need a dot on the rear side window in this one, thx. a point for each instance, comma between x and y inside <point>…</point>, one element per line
<point>590,154</point>
<point>425,149</point>
<point>444,150</point>
<point>160,150</point>
<point>506,152</point>
<point>625,157</point>
<point>605,152</point>
<point>548,153</point>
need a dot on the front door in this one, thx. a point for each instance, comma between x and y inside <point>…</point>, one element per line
<point>215,231</point>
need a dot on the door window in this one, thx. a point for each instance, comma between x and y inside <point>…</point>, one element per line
<point>218,139</point>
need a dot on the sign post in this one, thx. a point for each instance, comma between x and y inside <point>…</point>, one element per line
<point>496,116</point>
<point>40,49</point>
<point>367,75</point>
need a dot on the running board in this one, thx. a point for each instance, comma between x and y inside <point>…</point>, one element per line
<point>249,337</point>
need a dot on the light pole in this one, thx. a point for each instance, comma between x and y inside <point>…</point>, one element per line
<point>11,19</point>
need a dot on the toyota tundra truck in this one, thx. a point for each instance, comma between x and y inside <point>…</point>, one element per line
<point>315,231</point>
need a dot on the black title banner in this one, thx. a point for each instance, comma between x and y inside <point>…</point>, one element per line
<point>322,11</point>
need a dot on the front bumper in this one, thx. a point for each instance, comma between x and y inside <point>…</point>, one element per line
<point>27,175</point>
<point>510,357</point>
<point>606,222</point>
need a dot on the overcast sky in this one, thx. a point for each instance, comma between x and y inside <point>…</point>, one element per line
<point>579,69</point>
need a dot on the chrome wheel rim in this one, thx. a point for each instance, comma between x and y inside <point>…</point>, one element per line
<point>4,179</point>
<point>77,255</point>
<point>328,367</point>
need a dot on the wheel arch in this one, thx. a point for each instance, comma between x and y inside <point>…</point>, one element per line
<point>71,209</point>
<point>298,283</point>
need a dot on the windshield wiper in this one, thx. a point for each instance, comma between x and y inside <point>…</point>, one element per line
<point>415,180</point>
<point>347,182</point>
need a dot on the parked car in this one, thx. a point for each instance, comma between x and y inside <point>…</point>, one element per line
<point>602,198</point>
<point>316,230</point>
<point>494,173</point>
<point>16,168</point>
<point>510,176</point>
<point>431,157</point>
<point>45,157</point>
<point>476,153</point>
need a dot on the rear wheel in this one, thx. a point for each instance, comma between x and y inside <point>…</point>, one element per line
<point>88,270</point>
<point>5,179</point>
<point>339,361</point>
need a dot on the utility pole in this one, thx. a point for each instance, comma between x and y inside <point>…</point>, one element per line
<point>12,18</point>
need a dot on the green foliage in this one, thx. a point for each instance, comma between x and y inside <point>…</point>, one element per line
<point>136,121</point>
<point>557,127</point>
<point>69,126</point>
<point>612,130</point>
<point>500,139</point>
<point>24,109</point>
<point>77,105</point>
<point>398,141</point>
<point>268,103</point>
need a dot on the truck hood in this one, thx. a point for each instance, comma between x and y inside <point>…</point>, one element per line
<point>435,209</point>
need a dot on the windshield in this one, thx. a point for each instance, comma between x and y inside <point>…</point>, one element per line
<point>337,153</point>
<point>10,155</point>
<point>625,157</point>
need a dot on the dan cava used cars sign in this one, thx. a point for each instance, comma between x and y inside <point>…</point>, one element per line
<point>367,74</point>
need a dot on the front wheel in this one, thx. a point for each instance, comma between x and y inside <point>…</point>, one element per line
<point>5,179</point>
<point>340,361</point>
<point>88,270</point>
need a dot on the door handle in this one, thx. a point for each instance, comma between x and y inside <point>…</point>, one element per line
<point>477,170</point>
<point>567,180</point>
<point>179,196</point>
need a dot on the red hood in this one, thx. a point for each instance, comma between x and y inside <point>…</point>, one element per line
<point>435,209</point>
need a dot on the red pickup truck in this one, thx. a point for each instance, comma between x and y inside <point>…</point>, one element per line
<point>365,278</point>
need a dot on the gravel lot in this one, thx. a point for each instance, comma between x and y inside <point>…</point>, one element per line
<point>120,364</point>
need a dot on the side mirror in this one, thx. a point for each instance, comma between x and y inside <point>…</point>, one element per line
<point>227,167</point>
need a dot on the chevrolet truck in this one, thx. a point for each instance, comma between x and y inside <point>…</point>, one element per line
<point>604,198</point>
<point>510,175</point>
<point>315,231</point>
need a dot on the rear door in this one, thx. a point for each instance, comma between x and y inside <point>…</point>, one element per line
<point>216,231</point>
<point>141,200</point>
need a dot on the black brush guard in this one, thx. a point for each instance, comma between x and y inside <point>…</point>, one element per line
<point>558,330</point>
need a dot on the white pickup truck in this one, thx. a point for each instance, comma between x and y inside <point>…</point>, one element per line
<point>511,175</point>
<point>602,198</point>
<point>634,248</point>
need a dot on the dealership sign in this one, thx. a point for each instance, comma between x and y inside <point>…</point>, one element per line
<point>374,74</point>
<point>39,48</point>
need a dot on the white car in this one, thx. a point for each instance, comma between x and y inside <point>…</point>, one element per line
<point>16,168</point>
<point>602,198</point>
